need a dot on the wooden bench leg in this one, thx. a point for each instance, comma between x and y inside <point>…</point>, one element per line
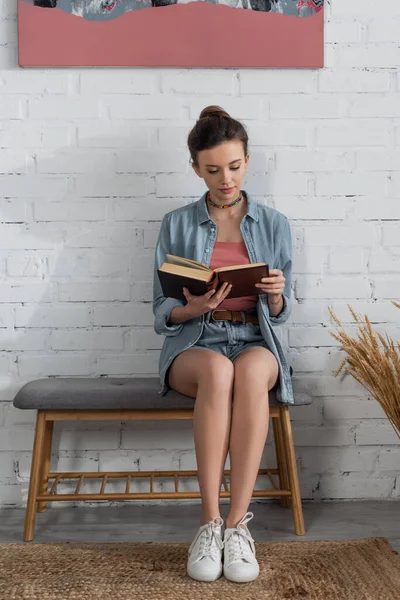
<point>45,463</point>
<point>281,460</point>
<point>292,471</point>
<point>34,481</point>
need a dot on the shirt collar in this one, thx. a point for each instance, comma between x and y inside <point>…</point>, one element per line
<point>203,214</point>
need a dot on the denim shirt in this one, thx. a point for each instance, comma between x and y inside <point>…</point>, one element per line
<point>189,231</point>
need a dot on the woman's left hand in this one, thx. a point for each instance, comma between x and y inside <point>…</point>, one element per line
<point>273,285</point>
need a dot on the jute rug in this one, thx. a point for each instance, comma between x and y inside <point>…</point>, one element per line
<point>365,569</point>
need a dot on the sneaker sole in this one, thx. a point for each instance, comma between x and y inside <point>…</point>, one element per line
<point>203,578</point>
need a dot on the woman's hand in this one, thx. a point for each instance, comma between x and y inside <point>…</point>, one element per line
<point>273,285</point>
<point>198,305</point>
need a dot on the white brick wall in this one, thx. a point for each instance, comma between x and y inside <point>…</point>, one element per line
<point>90,160</point>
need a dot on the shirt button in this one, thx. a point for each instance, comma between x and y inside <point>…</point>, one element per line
<point>207,250</point>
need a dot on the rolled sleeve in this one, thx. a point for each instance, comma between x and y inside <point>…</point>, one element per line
<point>162,306</point>
<point>284,263</point>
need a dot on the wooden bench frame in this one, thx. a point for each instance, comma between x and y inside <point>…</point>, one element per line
<point>40,476</point>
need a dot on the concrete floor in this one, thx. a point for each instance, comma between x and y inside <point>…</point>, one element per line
<point>178,522</point>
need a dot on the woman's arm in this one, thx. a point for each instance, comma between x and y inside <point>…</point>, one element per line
<point>162,306</point>
<point>279,313</point>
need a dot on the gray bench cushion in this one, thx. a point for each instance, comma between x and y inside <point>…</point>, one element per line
<point>107,393</point>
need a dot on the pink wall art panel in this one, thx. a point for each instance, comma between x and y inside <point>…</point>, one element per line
<point>171,33</point>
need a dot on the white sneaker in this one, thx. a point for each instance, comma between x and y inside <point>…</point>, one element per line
<point>205,552</point>
<point>240,563</point>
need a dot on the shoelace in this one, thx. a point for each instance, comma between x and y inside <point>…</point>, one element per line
<point>210,543</point>
<point>240,545</point>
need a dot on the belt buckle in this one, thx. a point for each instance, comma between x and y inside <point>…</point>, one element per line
<point>215,311</point>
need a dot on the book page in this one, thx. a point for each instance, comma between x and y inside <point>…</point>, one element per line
<point>238,267</point>
<point>199,274</point>
<point>179,260</point>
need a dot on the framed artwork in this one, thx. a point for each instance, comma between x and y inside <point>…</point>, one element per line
<point>171,33</point>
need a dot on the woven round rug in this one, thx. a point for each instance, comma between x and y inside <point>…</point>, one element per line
<point>363,569</point>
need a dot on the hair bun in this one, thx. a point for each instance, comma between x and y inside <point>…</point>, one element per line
<point>213,111</point>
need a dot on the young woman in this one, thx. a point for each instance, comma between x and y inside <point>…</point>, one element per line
<point>224,352</point>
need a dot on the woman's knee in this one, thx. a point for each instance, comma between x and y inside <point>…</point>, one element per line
<point>201,368</point>
<point>217,372</point>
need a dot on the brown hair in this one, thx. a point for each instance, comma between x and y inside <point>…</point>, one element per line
<point>213,127</point>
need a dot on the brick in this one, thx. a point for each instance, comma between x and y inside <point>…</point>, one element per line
<point>384,30</point>
<point>354,485</point>
<point>119,82</point>
<point>143,107</point>
<point>53,365</point>
<point>145,338</point>
<point>311,360</point>
<point>333,287</point>
<point>120,315</point>
<point>94,291</point>
<point>129,364</point>
<point>25,82</point>
<point>74,162</point>
<point>391,234</point>
<point>371,208</point>
<point>25,292</point>
<point>13,162</point>
<point>374,105</point>
<point>207,81</point>
<point>384,260</point>
<point>351,408</point>
<point>342,459</point>
<point>349,132</point>
<point>308,261</point>
<point>389,460</point>
<point>311,336</point>
<point>239,107</point>
<point>321,160</point>
<point>113,134</point>
<point>327,184</point>
<point>339,235</point>
<point>322,436</point>
<point>12,107</point>
<point>152,161</point>
<point>54,107</point>
<point>15,210</point>
<point>82,210</point>
<point>132,186</point>
<point>133,209</point>
<point>102,339</point>
<point>286,133</point>
<point>304,106</point>
<point>374,434</point>
<point>277,81</point>
<point>53,316</point>
<point>377,312</point>
<point>348,260</point>
<point>353,80</point>
<point>27,264</point>
<point>386,287</point>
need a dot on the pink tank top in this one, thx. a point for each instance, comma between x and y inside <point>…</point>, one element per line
<point>226,254</point>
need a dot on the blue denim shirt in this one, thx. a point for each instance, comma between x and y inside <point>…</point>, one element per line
<point>189,231</point>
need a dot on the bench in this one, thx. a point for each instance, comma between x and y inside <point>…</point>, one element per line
<point>135,399</point>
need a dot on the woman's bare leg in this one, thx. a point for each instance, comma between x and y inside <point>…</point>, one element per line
<point>207,376</point>
<point>256,372</point>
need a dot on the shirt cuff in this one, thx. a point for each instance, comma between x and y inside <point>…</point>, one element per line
<point>284,314</point>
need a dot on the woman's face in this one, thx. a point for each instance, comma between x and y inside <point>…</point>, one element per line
<point>223,168</point>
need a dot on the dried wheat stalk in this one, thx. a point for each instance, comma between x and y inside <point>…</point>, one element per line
<point>375,366</point>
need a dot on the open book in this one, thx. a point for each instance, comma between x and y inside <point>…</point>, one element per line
<point>180,272</point>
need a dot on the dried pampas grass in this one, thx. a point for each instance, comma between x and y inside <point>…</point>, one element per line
<point>376,367</point>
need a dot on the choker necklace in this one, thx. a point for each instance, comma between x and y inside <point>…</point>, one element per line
<point>224,205</point>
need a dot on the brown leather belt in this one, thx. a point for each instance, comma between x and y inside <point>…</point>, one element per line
<point>234,315</point>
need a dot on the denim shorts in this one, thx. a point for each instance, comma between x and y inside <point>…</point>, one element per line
<point>229,338</point>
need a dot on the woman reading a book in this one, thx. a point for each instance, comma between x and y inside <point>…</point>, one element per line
<point>223,351</point>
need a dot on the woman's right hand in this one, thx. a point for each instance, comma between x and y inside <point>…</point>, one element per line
<point>198,305</point>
